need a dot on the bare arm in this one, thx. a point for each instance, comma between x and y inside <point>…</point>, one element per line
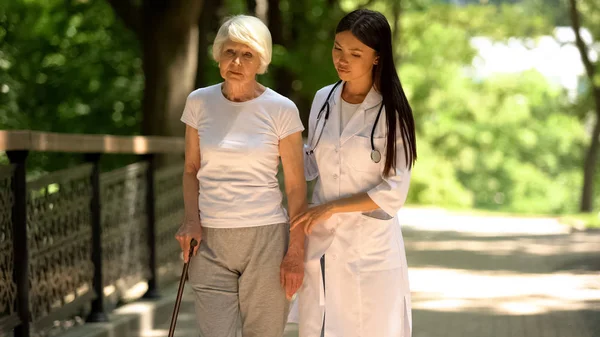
<point>357,203</point>
<point>191,227</point>
<point>190,170</point>
<point>290,149</point>
<point>389,196</point>
<point>292,267</point>
<point>360,202</point>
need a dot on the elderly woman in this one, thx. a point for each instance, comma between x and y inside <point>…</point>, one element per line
<point>248,263</point>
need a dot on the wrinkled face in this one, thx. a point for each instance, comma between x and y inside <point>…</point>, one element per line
<point>238,63</point>
<point>352,59</point>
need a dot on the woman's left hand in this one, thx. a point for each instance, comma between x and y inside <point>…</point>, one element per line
<point>311,217</point>
<point>291,272</point>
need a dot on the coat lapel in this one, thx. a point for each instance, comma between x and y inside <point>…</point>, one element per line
<point>363,117</point>
<point>333,124</point>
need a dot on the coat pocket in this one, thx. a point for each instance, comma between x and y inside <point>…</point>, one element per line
<point>379,248</point>
<point>360,158</point>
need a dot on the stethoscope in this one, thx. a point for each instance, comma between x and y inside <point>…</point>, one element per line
<point>375,154</point>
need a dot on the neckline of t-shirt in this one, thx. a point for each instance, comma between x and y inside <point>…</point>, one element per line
<point>244,102</point>
<point>350,104</point>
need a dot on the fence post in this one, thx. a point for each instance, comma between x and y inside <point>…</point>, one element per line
<point>98,313</point>
<point>20,249</point>
<point>153,291</point>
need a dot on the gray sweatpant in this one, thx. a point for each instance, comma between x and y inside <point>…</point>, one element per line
<point>235,274</point>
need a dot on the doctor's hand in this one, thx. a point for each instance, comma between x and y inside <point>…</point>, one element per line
<point>189,230</point>
<point>312,216</point>
<point>291,272</point>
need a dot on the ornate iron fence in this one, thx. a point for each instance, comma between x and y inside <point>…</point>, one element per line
<point>58,240</point>
<point>68,236</point>
<point>8,289</point>
<point>124,219</point>
<point>169,201</point>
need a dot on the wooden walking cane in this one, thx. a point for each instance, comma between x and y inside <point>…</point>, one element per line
<point>186,265</point>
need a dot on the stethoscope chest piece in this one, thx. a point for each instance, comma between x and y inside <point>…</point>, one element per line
<point>324,115</point>
<point>375,156</point>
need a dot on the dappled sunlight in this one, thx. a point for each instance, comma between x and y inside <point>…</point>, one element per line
<point>15,139</point>
<point>165,332</point>
<point>440,289</point>
<point>144,309</point>
<point>111,144</point>
<point>473,286</point>
<point>436,220</point>
<point>140,144</point>
<point>504,247</point>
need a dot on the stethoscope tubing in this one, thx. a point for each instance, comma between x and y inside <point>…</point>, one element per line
<point>375,155</point>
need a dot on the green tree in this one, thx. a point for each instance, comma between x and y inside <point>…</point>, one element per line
<point>592,10</point>
<point>66,66</point>
<point>65,69</point>
<point>502,142</point>
<point>168,32</point>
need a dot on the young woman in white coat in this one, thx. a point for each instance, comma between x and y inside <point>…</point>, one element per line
<point>361,148</point>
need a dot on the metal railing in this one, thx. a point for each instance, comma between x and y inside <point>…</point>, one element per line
<point>67,236</point>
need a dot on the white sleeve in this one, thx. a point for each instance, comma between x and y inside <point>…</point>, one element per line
<point>311,171</point>
<point>190,112</point>
<point>289,121</point>
<point>391,193</point>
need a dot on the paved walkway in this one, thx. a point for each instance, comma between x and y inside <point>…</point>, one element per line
<point>488,277</point>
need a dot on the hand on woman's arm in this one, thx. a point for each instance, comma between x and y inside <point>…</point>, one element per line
<point>389,195</point>
<point>292,266</point>
<point>357,203</point>
<point>191,227</point>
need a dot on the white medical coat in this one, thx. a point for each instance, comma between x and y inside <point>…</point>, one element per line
<point>366,291</point>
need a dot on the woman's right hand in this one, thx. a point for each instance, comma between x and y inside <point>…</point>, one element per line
<point>189,230</point>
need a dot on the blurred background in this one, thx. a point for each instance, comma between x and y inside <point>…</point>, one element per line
<point>506,108</point>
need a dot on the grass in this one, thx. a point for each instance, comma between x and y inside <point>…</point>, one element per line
<point>582,221</point>
<point>577,221</point>
<point>481,212</point>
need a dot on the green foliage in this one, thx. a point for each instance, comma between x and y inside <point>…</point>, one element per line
<point>68,66</point>
<point>310,27</point>
<point>499,143</point>
<point>582,221</point>
<point>76,69</point>
<point>434,181</point>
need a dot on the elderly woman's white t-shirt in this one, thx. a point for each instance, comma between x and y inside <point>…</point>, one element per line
<point>239,156</point>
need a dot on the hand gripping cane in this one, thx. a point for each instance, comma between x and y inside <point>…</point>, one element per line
<point>186,265</point>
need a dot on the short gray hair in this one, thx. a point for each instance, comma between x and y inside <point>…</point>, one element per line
<point>250,31</point>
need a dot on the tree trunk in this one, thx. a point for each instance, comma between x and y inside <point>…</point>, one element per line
<point>591,160</point>
<point>251,6</point>
<point>282,76</point>
<point>208,23</point>
<point>170,50</point>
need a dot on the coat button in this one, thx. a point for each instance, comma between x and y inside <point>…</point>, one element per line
<point>335,176</point>
<point>332,231</point>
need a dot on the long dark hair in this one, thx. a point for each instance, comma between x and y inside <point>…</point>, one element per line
<point>373,29</point>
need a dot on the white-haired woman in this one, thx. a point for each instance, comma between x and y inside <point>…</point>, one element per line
<point>248,264</point>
